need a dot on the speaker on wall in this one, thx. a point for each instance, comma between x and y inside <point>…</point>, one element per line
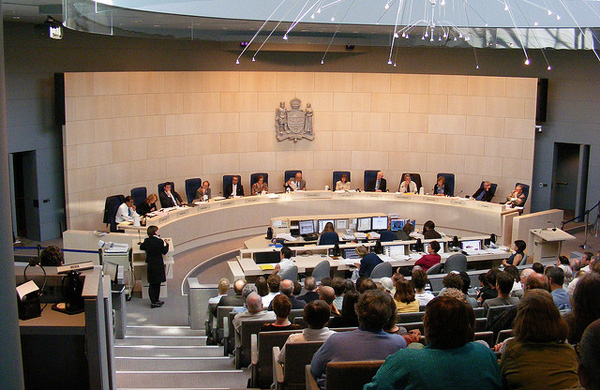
<point>542,101</point>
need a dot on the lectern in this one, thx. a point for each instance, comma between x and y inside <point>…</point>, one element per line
<point>547,243</point>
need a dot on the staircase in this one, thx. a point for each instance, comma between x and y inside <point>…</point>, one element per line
<point>173,357</point>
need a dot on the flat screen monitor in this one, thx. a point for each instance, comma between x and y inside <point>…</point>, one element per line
<point>363,224</point>
<point>379,223</point>
<point>470,245</point>
<point>341,224</point>
<point>306,227</point>
<point>394,250</point>
<point>266,257</point>
<point>396,224</point>
<point>323,222</point>
<point>350,253</point>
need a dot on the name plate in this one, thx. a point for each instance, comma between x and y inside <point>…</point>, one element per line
<point>344,195</point>
<point>252,200</point>
<point>184,212</point>
<point>204,206</point>
<point>164,219</point>
<point>374,195</point>
<point>312,195</point>
<point>401,197</point>
<point>431,199</point>
<point>458,201</point>
<point>226,203</point>
<point>484,205</point>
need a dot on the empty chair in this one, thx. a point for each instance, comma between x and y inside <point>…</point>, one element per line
<point>262,355</point>
<point>227,182</point>
<point>346,375</point>
<point>416,177</point>
<point>290,273</point>
<point>487,336</point>
<point>191,186</point>
<point>242,352</point>
<point>110,211</point>
<point>222,313</point>
<point>139,195</point>
<point>323,269</point>
<point>495,311</point>
<point>382,270</point>
<point>410,317</point>
<point>436,269</point>
<point>479,312</point>
<point>480,324</point>
<point>456,262</point>
<point>450,180</point>
<point>369,175</point>
<point>337,176</point>
<point>503,335</point>
<point>297,355</point>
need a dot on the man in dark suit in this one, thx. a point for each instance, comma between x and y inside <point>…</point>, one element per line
<point>286,287</point>
<point>155,248</point>
<point>296,183</point>
<point>484,193</point>
<point>310,285</point>
<point>234,300</point>
<point>379,184</point>
<point>234,189</point>
<point>169,198</point>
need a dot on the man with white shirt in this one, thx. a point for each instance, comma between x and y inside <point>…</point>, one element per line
<point>286,261</point>
<point>234,189</point>
<point>126,211</point>
<point>407,185</point>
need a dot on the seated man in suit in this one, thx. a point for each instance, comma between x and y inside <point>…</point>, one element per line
<point>169,198</point>
<point>126,211</point>
<point>484,193</point>
<point>234,189</point>
<point>407,185</point>
<point>204,190</point>
<point>297,183</point>
<point>379,184</point>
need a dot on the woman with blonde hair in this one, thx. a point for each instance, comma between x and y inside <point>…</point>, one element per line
<point>148,205</point>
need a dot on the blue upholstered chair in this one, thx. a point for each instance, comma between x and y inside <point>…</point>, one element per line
<point>227,181</point>
<point>337,176</point>
<point>493,187</point>
<point>191,186</point>
<point>289,174</point>
<point>254,178</point>
<point>161,187</point>
<point>110,211</point>
<point>369,175</point>
<point>450,180</point>
<point>139,195</point>
<point>525,191</point>
<point>416,177</point>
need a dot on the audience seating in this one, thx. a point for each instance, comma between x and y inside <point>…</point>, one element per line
<point>210,324</point>
<point>222,313</point>
<point>345,375</point>
<point>503,335</point>
<point>436,269</point>
<point>495,311</point>
<point>242,352</point>
<point>337,176</point>
<point>290,174</point>
<point>487,336</point>
<point>322,270</point>
<point>480,324</point>
<point>228,339</point>
<point>413,325</point>
<point>410,317</point>
<point>191,186</point>
<point>110,211</point>
<point>382,270</point>
<point>295,313</point>
<point>254,179</point>
<point>290,273</point>
<point>227,181</point>
<point>450,180</point>
<point>416,177</point>
<point>261,346</point>
<point>368,176</point>
<point>479,312</point>
<point>139,195</point>
<point>456,262</point>
<point>297,355</point>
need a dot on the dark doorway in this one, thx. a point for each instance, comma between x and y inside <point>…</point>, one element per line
<point>24,193</point>
<point>569,177</point>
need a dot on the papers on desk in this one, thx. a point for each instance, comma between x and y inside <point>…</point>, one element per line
<point>272,196</point>
<point>374,235</point>
<point>389,259</point>
<point>488,251</point>
<point>113,247</point>
<point>348,237</point>
<point>286,236</point>
<point>267,267</point>
<point>349,261</point>
<point>360,236</point>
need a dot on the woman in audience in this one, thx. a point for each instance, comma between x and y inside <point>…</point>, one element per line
<point>148,205</point>
<point>404,234</point>
<point>328,235</point>
<point>419,281</point>
<point>429,231</point>
<point>343,184</point>
<point>519,254</point>
<point>514,272</point>
<point>538,357</point>
<point>263,290</point>
<point>585,306</point>
<point>260,186</point>
<point>465,289</point>
<point>282,307</point>
<point>368,261</point>
<point>440,188</point>
<point>488,285</point>
<point>348,318</point>
<point>564,263</point>
<point>451,360</point>
<point>405,297</point>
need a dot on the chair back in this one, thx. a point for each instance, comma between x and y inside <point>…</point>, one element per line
<point>495,311</point>
<point>369,175</point>
<point>295,313</point>
<point>410,317</point>
<point>254,178</point>
<point>388,236</point>
<point>382,270</point>
<point>227,181</point>
<point>479,312</point>
<point>323,269</point>
<point>297,355</point>
<point>300,321</point>
<point>290,174</point>
<point>416,177</point>
<point>414,325</point>
<point>525,191</point>
<point>110,210</point>
<point>351,375</point>
<point>191,186</point>
<point>487,336</point>
<point>480,324</point>
<point>450,180</point>
<point>249,327</point>
<point>493,187</point>
<point>139,195</point>
<point>290,273</point>
<point>436,269</point>
<point>503,335</point>
<point>456,262</point>
<point>222,312</point>
<point>266,342</point>
<point>337,176</point>
<point>161,187</point>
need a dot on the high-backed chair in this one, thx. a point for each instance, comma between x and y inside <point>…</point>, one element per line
<point>369,175</point>
<point>323,269</point>
<point>416,177</point>
<point>110,211</point>
<point>382,270</point>
<point>242,352</point>
<point>337,176</point>
<point>139,195</point>
<point>262,355</point>
<point>289,175</point>
<point>161,187</point>
<point>403,318</point>
<point>456,262</point>
<point>290,273</point>
<point>345,375</point>
<point>495,311</point>
<point>436,269</point>
<point>493,187</point>
<point>222,313</point>
<point>227,181</point>
<point>450,180</point>
<point>191,186</point>
<point>254,178</point>
<point>487,336</point>
<point>525,191</point>
<point>297,355</point>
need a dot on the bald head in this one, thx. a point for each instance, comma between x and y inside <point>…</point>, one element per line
<point>589,357</point>
<point>286,287</point>
<point>536,280</point>
<point>254,303</point>
<point>327,294</point>
<point>238,285</point>
<point>525,273</point>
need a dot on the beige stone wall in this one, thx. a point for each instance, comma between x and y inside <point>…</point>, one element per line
<point>129,129</point>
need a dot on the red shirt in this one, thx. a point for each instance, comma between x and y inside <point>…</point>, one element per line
<point>429,261</point>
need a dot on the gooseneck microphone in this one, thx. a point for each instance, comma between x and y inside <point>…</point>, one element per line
<point>553,224</point>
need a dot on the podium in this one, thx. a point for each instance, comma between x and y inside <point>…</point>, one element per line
<point>547,243</point>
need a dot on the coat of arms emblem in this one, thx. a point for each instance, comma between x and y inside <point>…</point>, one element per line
<point>295,123</point>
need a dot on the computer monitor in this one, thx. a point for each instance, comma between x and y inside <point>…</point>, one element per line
<point>267,257</point>
<point>396,224</point>
<point>323,222</point>
<point>470,245</point>
<point>379,223</point>
<point>394,250</point>
<point>350,253</point>
<point>112,271</point>
<point>306,227</point>
<point>363,224</point>
<point>341,224</point>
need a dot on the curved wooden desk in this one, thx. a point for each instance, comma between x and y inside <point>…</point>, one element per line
<point>215,221</point>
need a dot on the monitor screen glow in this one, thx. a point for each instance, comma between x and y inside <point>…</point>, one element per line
<point>472,245</point>
<point>364,224</point>
<point>379,223</point>
<point>396,224</point>
<point>350,253</point>
<point>395,250</point>
<point>306,227</point>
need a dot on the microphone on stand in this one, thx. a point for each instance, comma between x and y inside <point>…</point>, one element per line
<point>553,224</point>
